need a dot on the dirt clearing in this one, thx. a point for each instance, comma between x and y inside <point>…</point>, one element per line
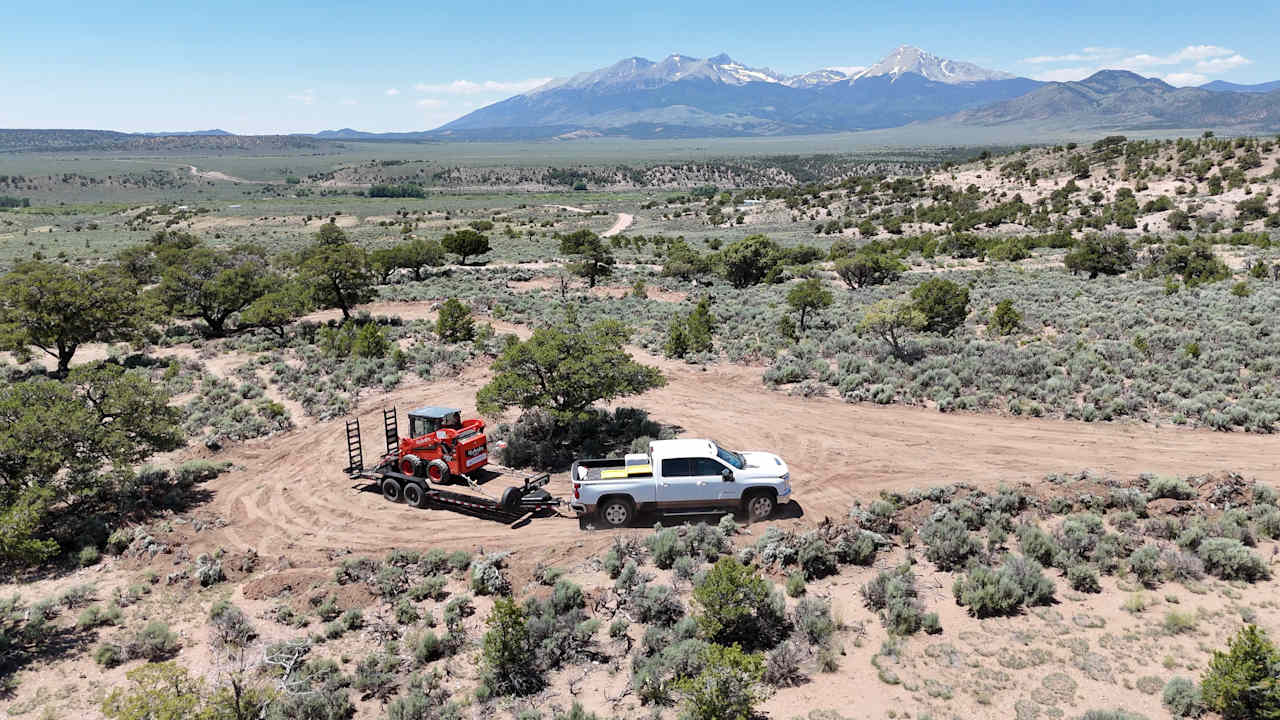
<point>289,495</point>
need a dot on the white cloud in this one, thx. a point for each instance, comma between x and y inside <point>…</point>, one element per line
<point>1185,79</point>
<point>348,101</point>
<point>391,92</point>
<point>1066,74</point>
<point>431,103</point>
<point>1188,66</point>
<point>467,87</point>
<point>1069,57</point>
<point>1222,64</point>
<point>306,97</point>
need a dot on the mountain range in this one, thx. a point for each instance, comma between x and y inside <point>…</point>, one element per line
<point>682,96</point>
<point>1122,100</point>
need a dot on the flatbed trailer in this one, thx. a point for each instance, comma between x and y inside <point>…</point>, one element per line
<point>517,504</point>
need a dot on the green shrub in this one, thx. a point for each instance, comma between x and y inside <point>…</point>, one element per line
<point>454,323</point>
<point>153,642</point>
<point>1037,544</point>
<point>948,543</point>
<point>432,587</point>
<point>817,559</point>
<point>856,548</point>
<point>89,555</point>
<point>989,593</point>
<point>1176,623</point>
<point>739,606</point>
<point>507,652</point>
<point>1144,563</point>
<point>109,655</point>
<point>725,689</point>
<point>892,594</point>
<point>1240,683</point>
<point>487,577</point>
<point>1182,698</point>
<point>813,619</point>
<point>944,303</point>
<point>1173,488</point>
<point>1083,578</point>
<point>795,584</point>
<point>1229,559</point>
<point>932,625</point>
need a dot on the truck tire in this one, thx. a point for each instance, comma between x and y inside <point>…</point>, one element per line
<point>616,512</point>
<point>759,506</point>
<point>415,495</point>
<point>438,471</point>
<point>391,490</point>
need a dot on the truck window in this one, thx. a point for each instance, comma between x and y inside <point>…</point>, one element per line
<point>677,467</point>
<point>706,466</point>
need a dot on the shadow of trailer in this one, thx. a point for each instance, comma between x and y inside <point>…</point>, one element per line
<point>517,505</point>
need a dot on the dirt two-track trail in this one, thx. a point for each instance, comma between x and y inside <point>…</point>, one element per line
<point>289,495</point>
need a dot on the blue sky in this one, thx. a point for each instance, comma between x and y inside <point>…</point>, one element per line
<point>412,65</point>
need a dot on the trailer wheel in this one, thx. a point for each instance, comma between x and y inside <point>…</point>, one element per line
<point>414,495</point>
<point>438,471</point>
<point>616,512</point>
<point>511,499</point>
<point>391,490</point>
<point>759,506</point>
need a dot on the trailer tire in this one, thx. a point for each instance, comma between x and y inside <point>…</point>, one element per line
<point>415,495</point>
<point>511,499</point>
<point>616,512</point>
<point>391,490</point>
<point>759,506</point>
<point>438,471</point>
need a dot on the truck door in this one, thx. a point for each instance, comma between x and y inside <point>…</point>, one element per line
<point>679,488</point>
<point>717,491</point>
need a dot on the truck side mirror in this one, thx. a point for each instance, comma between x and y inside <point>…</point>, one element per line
<point>727,475</point>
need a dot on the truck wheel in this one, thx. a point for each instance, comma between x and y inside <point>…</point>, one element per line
<point>438,471</point>
<point>616,512</point>
<point>760,506</point>
<point>414,495</point>
<point>391,490</point>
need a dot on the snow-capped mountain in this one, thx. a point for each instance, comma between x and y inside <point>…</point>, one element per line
<point>684,96</point>
<point>818,78</point>
<point>909,59</point>
<point>640,73</point>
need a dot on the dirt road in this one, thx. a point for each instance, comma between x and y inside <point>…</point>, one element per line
<point>216,175</point>
<point>622,223</point>
<point>292,498</point>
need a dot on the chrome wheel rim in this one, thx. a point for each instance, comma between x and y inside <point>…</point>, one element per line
<point>616,514</point>
<point>760,507</point>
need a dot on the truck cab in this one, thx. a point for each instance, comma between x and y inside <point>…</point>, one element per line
<point>687,476</point>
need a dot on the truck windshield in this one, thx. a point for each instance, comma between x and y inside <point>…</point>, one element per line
<point>731,457</point>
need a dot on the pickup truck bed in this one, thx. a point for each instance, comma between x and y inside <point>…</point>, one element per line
<point>609,469</point>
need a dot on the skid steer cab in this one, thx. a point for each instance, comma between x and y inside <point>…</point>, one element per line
<point>440,444</point>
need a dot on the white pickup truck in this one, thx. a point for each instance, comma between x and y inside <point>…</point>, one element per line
<point>680,477</point>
